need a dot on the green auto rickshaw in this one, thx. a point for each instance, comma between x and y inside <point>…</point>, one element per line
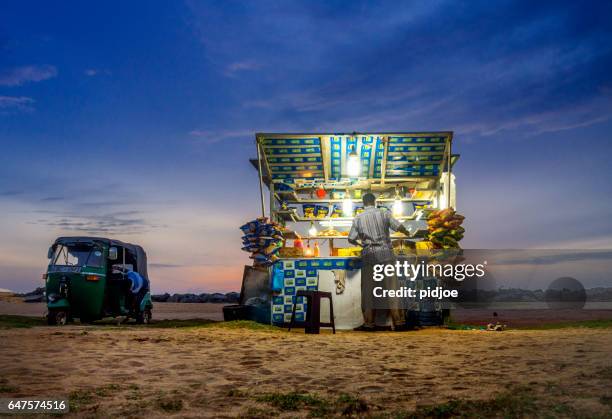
<point>87,279</point>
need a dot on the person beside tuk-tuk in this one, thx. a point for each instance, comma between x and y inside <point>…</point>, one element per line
<point>139,286</point>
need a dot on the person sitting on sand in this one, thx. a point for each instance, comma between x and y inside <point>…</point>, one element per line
<point>370,230</point>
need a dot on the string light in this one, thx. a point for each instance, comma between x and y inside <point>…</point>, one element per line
<point>353,165</point>
<point>347,205</point>
<point>312,231</point>
<point>397,204</point>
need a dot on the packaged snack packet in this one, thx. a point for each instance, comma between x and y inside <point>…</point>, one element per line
<point>321,211</point>
<point>309,210</point>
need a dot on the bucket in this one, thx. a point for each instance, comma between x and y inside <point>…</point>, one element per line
<point>236,312</point>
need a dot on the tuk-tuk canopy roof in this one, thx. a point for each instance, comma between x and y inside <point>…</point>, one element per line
<point>137,251</point>
<point>322,157</point>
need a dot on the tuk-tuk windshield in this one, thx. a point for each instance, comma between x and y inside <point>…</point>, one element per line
<point>81,255</point>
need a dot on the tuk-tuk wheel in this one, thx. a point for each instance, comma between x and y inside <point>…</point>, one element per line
<point>144,317</point>
<point>57,317</point>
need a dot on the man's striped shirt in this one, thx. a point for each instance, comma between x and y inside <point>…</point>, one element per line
<point>371,228</point>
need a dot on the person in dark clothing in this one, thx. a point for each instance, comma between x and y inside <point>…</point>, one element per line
<point>371,231</point>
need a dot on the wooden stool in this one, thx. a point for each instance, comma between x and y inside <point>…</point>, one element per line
<point>312,324</point>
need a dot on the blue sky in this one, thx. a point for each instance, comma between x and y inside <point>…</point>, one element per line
<point>136,119</point>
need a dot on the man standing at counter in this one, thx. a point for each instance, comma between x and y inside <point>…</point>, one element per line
<point>370,230</point>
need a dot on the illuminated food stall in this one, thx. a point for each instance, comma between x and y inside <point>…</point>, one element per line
<point>311,187</point>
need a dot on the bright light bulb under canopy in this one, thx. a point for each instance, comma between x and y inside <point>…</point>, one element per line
<point>347,207</point>
<point>441,201</point>
<point>353,165</point>
<point>313,230</point>
<point>397,207</point>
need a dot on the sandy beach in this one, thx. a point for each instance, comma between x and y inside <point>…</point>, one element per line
<point>250,370</point>
<point>222,371</point>
<point>162,311</point>
<point>210,311</point>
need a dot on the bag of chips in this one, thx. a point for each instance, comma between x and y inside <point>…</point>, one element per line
<point>263,239</point>
<point>309,210</point>
<point>438,232</point>
<point>445,229</point>
<point>337,211</point>
<point>321,211</point>
<point>452,224</point>
<point>446,214</point>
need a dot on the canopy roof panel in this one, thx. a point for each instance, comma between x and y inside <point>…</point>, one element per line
<point>291,158</point>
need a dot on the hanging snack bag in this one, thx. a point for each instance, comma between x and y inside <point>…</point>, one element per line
<point>321,211</point>
<point>266,241</point>
<point>272,249</point>
<point>250,227</point>
<point>309,210</point>
<point>447,214</point>
<point>337,211</point>
<point>452,224</point>
<point>250,238</point>
<point>250,248</point>
<point>438,232</point>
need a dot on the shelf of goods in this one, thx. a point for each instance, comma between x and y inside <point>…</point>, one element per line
<point>291,216</point>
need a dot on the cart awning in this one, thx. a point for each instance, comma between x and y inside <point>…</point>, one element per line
<point>296,158</point>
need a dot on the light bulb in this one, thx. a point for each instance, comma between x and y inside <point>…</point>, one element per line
<point>347,207</point>
<point>312,231</point>
<point>441,201</point>
<point>353,165</point>
<point>397,207</point>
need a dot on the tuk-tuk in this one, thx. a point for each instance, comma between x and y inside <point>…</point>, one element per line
<point>87,278</point>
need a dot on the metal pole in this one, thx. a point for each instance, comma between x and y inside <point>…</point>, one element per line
<point>272,201</point>
<point>383,163</point>
<point>261,193</point>
<point>448,188</point>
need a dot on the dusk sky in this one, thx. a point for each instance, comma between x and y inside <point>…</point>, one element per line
<point>136,120</point>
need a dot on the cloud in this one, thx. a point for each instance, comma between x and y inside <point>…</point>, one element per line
<point>214,136</point>
<point>91,72</point>
<point>16,103</point>
<point>550,257</point>
<point>247,65</point>
<point>11,192</point>
<point>32,73</point>
<point>165,265</point>
<point>100,224</point>
<point>502,68</point>
<point>114,222</point>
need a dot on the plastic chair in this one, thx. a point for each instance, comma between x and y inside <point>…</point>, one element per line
<point>312,324</point>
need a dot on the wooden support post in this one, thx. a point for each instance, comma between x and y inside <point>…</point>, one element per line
<point>448,159</point>
<point>261,193</point>
<point>383,164</point>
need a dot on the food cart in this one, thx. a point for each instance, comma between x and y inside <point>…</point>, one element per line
<point>311,186</point>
